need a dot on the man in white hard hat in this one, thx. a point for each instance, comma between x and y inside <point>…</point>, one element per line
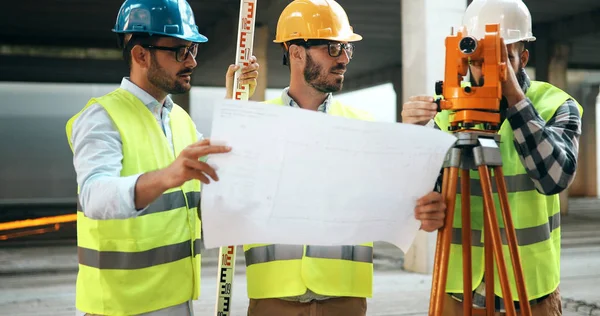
<point>540,130</point>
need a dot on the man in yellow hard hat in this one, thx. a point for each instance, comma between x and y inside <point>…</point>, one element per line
<point>540,130</point>
<point>317,41</point>
<point>138,160</point>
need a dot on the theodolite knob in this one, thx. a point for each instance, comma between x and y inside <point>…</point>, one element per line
<point>439,87</point>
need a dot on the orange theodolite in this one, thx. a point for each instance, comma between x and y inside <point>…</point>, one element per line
<point>475,119</point>
<point>473,105</point>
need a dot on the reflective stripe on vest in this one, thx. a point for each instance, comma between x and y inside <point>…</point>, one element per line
<point>515,183</point>
<point>352,253</point>
<point>166,202</point>
<point>270,253</point>
<point>525,236</point>
<point>136,260</point>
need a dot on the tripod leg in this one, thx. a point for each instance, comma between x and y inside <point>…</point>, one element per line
<point>438,250</point>
<point>492,225</point>
<point>445,182</point>
<point>444,238</point>
<point>511,236</point>
<point>466,241</point>
<point>489,266</point>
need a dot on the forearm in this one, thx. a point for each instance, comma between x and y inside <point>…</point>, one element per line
<point>149,187</point>
<point>548,150</point>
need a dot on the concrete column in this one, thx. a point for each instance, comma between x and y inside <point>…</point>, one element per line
<point>588,165</point>
<point>597,119</point>
<point>397,84</point>
<point>183,100</point>
<point>557,70</point>
<point>261,45</point>
<point>542,56</point>
<point>425,26</point>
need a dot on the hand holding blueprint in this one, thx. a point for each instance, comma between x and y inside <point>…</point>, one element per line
<point>296,176</point>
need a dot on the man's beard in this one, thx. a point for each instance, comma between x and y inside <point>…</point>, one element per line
<point>521,77</point>
<point>160,79</point>
<point>313,76</point>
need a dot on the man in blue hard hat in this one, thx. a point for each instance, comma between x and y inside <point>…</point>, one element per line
<point>138,159</point>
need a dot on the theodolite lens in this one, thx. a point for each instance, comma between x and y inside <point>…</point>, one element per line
<point>467,45</point>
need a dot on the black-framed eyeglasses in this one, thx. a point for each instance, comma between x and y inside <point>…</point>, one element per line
<point>333,48</point>
<point>181,52</point>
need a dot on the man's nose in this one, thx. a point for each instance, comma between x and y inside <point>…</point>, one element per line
<point>190,62</point>
<point>344,58</point>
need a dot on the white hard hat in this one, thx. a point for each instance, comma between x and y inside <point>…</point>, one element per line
<point>513,16</point>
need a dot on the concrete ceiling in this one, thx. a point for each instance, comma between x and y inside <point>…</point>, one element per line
<point>77,23</point>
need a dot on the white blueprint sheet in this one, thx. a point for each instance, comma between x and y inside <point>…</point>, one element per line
<point>303,177</point>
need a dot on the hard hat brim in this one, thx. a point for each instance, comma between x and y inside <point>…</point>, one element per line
<point>193,37</point>
<point>352,38</point>
<point>527,39</point>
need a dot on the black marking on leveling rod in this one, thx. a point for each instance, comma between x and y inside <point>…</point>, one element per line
<point>226,288</point>
<point>225,311</point>
<point>224,274</point>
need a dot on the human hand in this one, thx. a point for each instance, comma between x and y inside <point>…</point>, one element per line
<point>187,165</point>
<point>510,87</point>
<point>249,75</point>
<point>431,211</point>
<point>419,110</point>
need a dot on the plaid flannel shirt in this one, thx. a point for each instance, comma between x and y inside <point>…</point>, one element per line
<point>548,150</point>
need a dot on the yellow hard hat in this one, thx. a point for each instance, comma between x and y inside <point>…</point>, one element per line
<point>314,19</point>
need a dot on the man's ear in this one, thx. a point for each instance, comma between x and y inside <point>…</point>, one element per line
<point>524,58</point>
<point>140,56</point>
<point>296,53</point>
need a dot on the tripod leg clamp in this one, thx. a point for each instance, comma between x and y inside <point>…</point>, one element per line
<point>487,153</point>
<point>453,158</point>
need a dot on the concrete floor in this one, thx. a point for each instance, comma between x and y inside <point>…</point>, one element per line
<point>41,280</point>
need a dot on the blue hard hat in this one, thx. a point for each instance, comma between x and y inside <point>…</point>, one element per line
<point>159,17</point>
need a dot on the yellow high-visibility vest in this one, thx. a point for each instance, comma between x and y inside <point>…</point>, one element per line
<point>288,270</point>
<point>152,261</point>
<point>536,217</point>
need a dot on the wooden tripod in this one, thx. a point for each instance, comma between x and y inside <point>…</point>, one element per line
<point>477,150</point>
